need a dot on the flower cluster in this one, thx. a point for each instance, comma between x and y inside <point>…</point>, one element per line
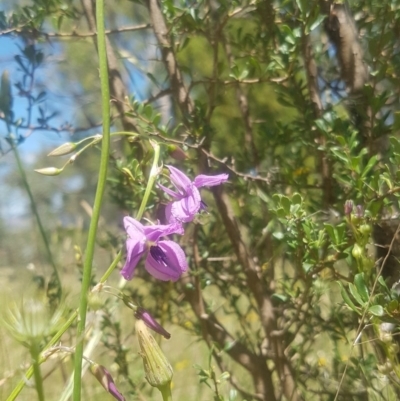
<point>165,259</point>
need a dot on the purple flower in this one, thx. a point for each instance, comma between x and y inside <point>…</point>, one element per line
<point>106,380</point>
<point>151,323</point>
<point>165,259</point>
<point>187,198</point>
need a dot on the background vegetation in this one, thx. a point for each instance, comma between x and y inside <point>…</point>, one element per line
<point>292,290</point>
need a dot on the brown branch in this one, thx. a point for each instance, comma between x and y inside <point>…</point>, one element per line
<point>342,31</point>
<point>179,90</point>
<point>76,34</point>
<point>313,89</point>
<point>245,113</point>
<point>263,379</point>
<point>254,280</point>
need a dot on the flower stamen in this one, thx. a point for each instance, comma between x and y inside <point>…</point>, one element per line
<point>158,255</point>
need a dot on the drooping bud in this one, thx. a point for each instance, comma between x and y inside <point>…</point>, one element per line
<point>105,379</point>
<point>151,323</point>
<point>157,368</point>
<point>50,171</point>
<point>64,149</point>
<point>176,152</point>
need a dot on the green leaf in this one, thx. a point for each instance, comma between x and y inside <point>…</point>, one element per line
<point>355,294</point>
<point>285,203</point>
<point>376,310</point>
<point>297,199</point>
<point>347,299</point>
<point>371,163</point>
<point>361,286</point>
<point>317,21</point>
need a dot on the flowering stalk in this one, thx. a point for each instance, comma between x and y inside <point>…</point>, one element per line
<point>152,178</point>
<point>166,392</point>
<point>35,354</point>
<point>87,269</point>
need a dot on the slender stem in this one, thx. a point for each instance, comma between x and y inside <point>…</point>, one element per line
<point>87,269</point>
<point>37,217</point>
<point>58,335</point>
<point>35,353</point>
<point>166,392</point>
<point>153,175</point>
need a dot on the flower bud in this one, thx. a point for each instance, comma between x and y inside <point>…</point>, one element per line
<point>157,368</point>
<point>348,207</point>
<point>151,323</point>
<point>357,251</point>
<point>49,171</point>
<point>64,149</point>
<point>176,152</point>
<point>106,380</point>
<point>365,230</point>
<point>359,211</point>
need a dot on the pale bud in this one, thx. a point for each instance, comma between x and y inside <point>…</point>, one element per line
<point>157,368</point>
<point>50,171</point>
<point>64,149</point>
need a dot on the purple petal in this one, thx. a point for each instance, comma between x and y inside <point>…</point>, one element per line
<point>171,266</point>
<point>153,233</point>
<point>168,213</point>
<point>170,192</point>
<point>180,180</point>
<point>185,209</point>
<point>134,228</point>
<point>134,251</point>
<point>106,380</point>
<point>210,180</point>
<point>151,323</point>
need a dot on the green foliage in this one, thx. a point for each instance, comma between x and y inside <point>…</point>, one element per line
<point>293,270</point>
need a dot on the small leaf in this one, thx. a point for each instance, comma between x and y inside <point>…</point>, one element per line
<point>347,299</point>
<point>361,286</point>
<point>285,203</point>
<point>376,310</point>
<point>355,294</point>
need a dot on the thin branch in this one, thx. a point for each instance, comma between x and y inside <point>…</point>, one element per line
<point>76,34</point>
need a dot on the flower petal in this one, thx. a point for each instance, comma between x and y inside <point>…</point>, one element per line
<point>170,192</point>
<point>153,233</point>
<point>210,180</point>
<point>185,209</point>
<point>174,265</point>
<point>134,251</point>
<point>134,228</point>
<point>180,180</point>
<point>151,323</point>
<point>168,214</point>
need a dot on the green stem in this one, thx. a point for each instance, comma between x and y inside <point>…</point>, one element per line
<point>166,392</point>
<point>153,175</point>
<point>87,269</point>
<point>35,353</point>
<point>37,217</point>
